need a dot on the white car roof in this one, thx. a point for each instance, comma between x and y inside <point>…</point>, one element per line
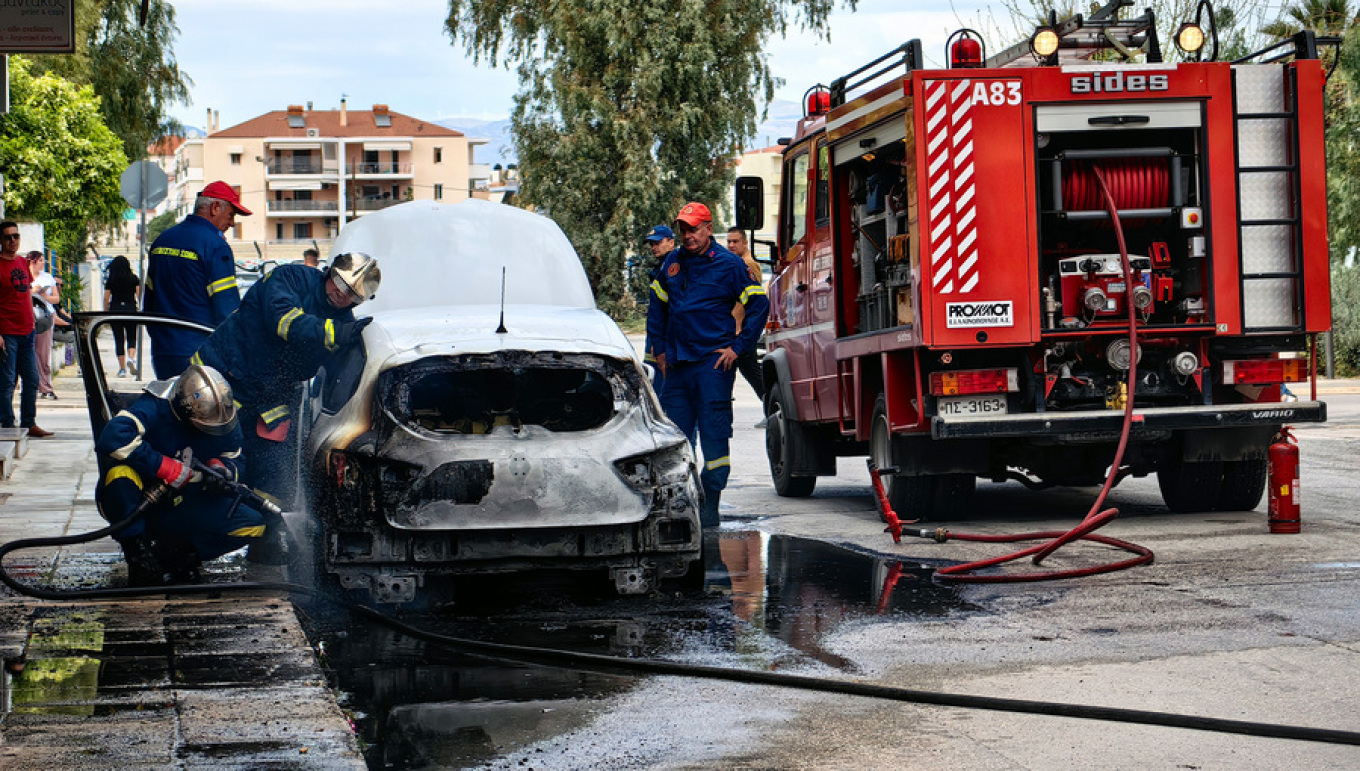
<point>435,255</point>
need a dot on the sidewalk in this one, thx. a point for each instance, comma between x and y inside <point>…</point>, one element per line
<point>225,680</point>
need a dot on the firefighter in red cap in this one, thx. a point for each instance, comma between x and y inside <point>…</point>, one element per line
<point>191,274</point>
<point>697,347</point>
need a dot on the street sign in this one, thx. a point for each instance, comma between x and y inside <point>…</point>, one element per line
<point>143,185</point>
<point>46,27</point>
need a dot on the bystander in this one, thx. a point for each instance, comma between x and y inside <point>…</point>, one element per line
<point>16,335</point>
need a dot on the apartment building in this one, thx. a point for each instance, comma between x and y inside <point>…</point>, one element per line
<point>304,173</point>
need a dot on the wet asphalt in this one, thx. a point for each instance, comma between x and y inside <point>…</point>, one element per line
<point>249,680</point>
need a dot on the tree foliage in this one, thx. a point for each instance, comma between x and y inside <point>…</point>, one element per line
<point>61,163</point>
<point>159,224</point>
<point>627,110</point>
<point>132,68</point>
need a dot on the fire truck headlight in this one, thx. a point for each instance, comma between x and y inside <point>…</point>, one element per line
<point>1044,43</point>
<point>1094,299</point>
<point>1142,297</point>
<point>1185,363</point>
<point>1190,38</point>
<point>1117,354</point>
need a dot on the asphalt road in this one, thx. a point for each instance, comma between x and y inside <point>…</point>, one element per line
<point>1229,622</point>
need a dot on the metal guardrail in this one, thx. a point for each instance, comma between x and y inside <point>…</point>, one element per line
<point>286,166</point>
<point>379,168</point>
<point>365,204</point>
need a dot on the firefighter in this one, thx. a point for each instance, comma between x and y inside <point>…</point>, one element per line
<point>191,416</point>
<point>290,322</point>
<point>191,274</point>
<point>661,241</point>
<point>690,321</point>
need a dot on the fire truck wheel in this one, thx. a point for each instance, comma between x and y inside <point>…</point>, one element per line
<point>1189,486</point>
<point>928,498</point>
<point>1244,483</point>
<point>781,446</point>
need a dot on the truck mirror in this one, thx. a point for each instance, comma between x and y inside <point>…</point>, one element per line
<point>750,203</point>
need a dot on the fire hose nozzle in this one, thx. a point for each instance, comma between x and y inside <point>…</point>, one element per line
<point>938,535</point>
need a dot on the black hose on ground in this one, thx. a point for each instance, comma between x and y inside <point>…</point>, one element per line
<point>619,665</point>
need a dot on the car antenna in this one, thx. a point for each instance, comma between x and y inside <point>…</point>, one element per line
<point>501,329</point>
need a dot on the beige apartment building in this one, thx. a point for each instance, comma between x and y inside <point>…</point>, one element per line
<point>304,173</point>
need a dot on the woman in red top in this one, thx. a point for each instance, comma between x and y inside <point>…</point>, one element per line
<point>16,335</point>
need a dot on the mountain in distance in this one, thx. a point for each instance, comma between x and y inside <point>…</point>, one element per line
<point>779,122</point>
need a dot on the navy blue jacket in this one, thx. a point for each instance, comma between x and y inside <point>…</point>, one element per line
<point>690,313</point>
<point>280,337</point>
<point>190,274</point>
<point>142,435</point>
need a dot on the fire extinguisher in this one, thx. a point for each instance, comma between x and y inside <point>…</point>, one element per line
<point>1284,483</point>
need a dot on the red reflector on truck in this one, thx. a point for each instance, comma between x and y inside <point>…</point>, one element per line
<point>1264,371</point>
<point>974,381</point>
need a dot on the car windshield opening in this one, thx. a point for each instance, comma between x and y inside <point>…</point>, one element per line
<point>477,400</point>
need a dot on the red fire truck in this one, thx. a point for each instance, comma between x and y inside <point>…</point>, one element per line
<point>949,295</point>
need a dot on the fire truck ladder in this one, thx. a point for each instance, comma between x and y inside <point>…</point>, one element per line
<point>1265,104</point>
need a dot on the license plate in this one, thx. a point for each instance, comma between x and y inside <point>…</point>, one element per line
<point>951,406</point>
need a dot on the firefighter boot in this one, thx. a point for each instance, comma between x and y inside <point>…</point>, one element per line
<point>271,548</point>
<point>181,561</point>
<point>708,512</point>
<point>144,568</point>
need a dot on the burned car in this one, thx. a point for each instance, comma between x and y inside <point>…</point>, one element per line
<point>491,420</point>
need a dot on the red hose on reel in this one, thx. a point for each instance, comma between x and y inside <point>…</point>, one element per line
<point>1095,518</point>
<point>1135,183</point>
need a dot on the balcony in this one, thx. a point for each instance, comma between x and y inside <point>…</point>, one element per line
<point>380,169</point>
<point>300,165</point>
<point>374,204</point>
<point>302,208</point>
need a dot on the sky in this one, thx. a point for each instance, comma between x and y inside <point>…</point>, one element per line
<point>248,57</point>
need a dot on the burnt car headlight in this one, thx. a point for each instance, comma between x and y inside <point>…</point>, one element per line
<point>668,466</point>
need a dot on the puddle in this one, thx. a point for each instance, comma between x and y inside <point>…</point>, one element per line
<point>770,602</point>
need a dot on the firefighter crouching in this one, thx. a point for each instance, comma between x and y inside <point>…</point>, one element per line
<point>191,416</point>
<point>289,324</point>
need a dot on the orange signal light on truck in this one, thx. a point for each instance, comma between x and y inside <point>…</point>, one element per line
<point>974,381</point>
<point>1264,371</point>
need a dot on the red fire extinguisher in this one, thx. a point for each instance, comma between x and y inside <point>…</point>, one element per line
<point>1284,483</point>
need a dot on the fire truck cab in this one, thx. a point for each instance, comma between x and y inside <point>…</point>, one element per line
<point>949,295</point>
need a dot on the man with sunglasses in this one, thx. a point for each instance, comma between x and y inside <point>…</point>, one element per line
<point>289,323</point>
<point>18,359</point>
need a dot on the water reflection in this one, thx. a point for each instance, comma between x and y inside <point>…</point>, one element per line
<point>769,602</point>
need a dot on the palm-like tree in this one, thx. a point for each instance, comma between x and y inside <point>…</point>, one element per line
<point>1328,17</point>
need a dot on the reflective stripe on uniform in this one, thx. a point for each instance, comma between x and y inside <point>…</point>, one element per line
<point>287,321</point>
<point>751,291</point>
<point>187,254</point>
<point>123,472</point>
<point>196,360</point>
<point>329,339</point>
<point>659,292</point>
<point>725,460</point>
<point>275,415</point>
<point>221,285</point>
<point>231,454</point>
<point>254,531</point>
<point>123,452</point>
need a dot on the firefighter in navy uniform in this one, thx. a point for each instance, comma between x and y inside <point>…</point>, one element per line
<point>188,417</point>
<point>690,320</point>
<point>288,325</point>
<point>191,274</point>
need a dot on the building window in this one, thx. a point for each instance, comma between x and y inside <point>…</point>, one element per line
<point>236,159</point>
<point>302,230</point>
<point>236,232</point>
<point>439,155</point>
<point>278,231</point>
<point>438,192</point>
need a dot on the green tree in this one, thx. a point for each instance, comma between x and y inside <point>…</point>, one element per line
<point>159,224</point>
<point>60,162</point>
<point>132,68</point>
<point>1330,17</point>
<point>627,110</point>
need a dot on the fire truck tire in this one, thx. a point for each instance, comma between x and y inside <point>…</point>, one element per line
<point>1244,484</point>
<point>1189,486</point>
<point>781,445</point>
<point>929,497</point>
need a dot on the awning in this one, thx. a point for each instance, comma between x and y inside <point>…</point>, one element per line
<point>288,144</point>
<point>237,149</point>
<point>285,184</point>
<point>387,145</point>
